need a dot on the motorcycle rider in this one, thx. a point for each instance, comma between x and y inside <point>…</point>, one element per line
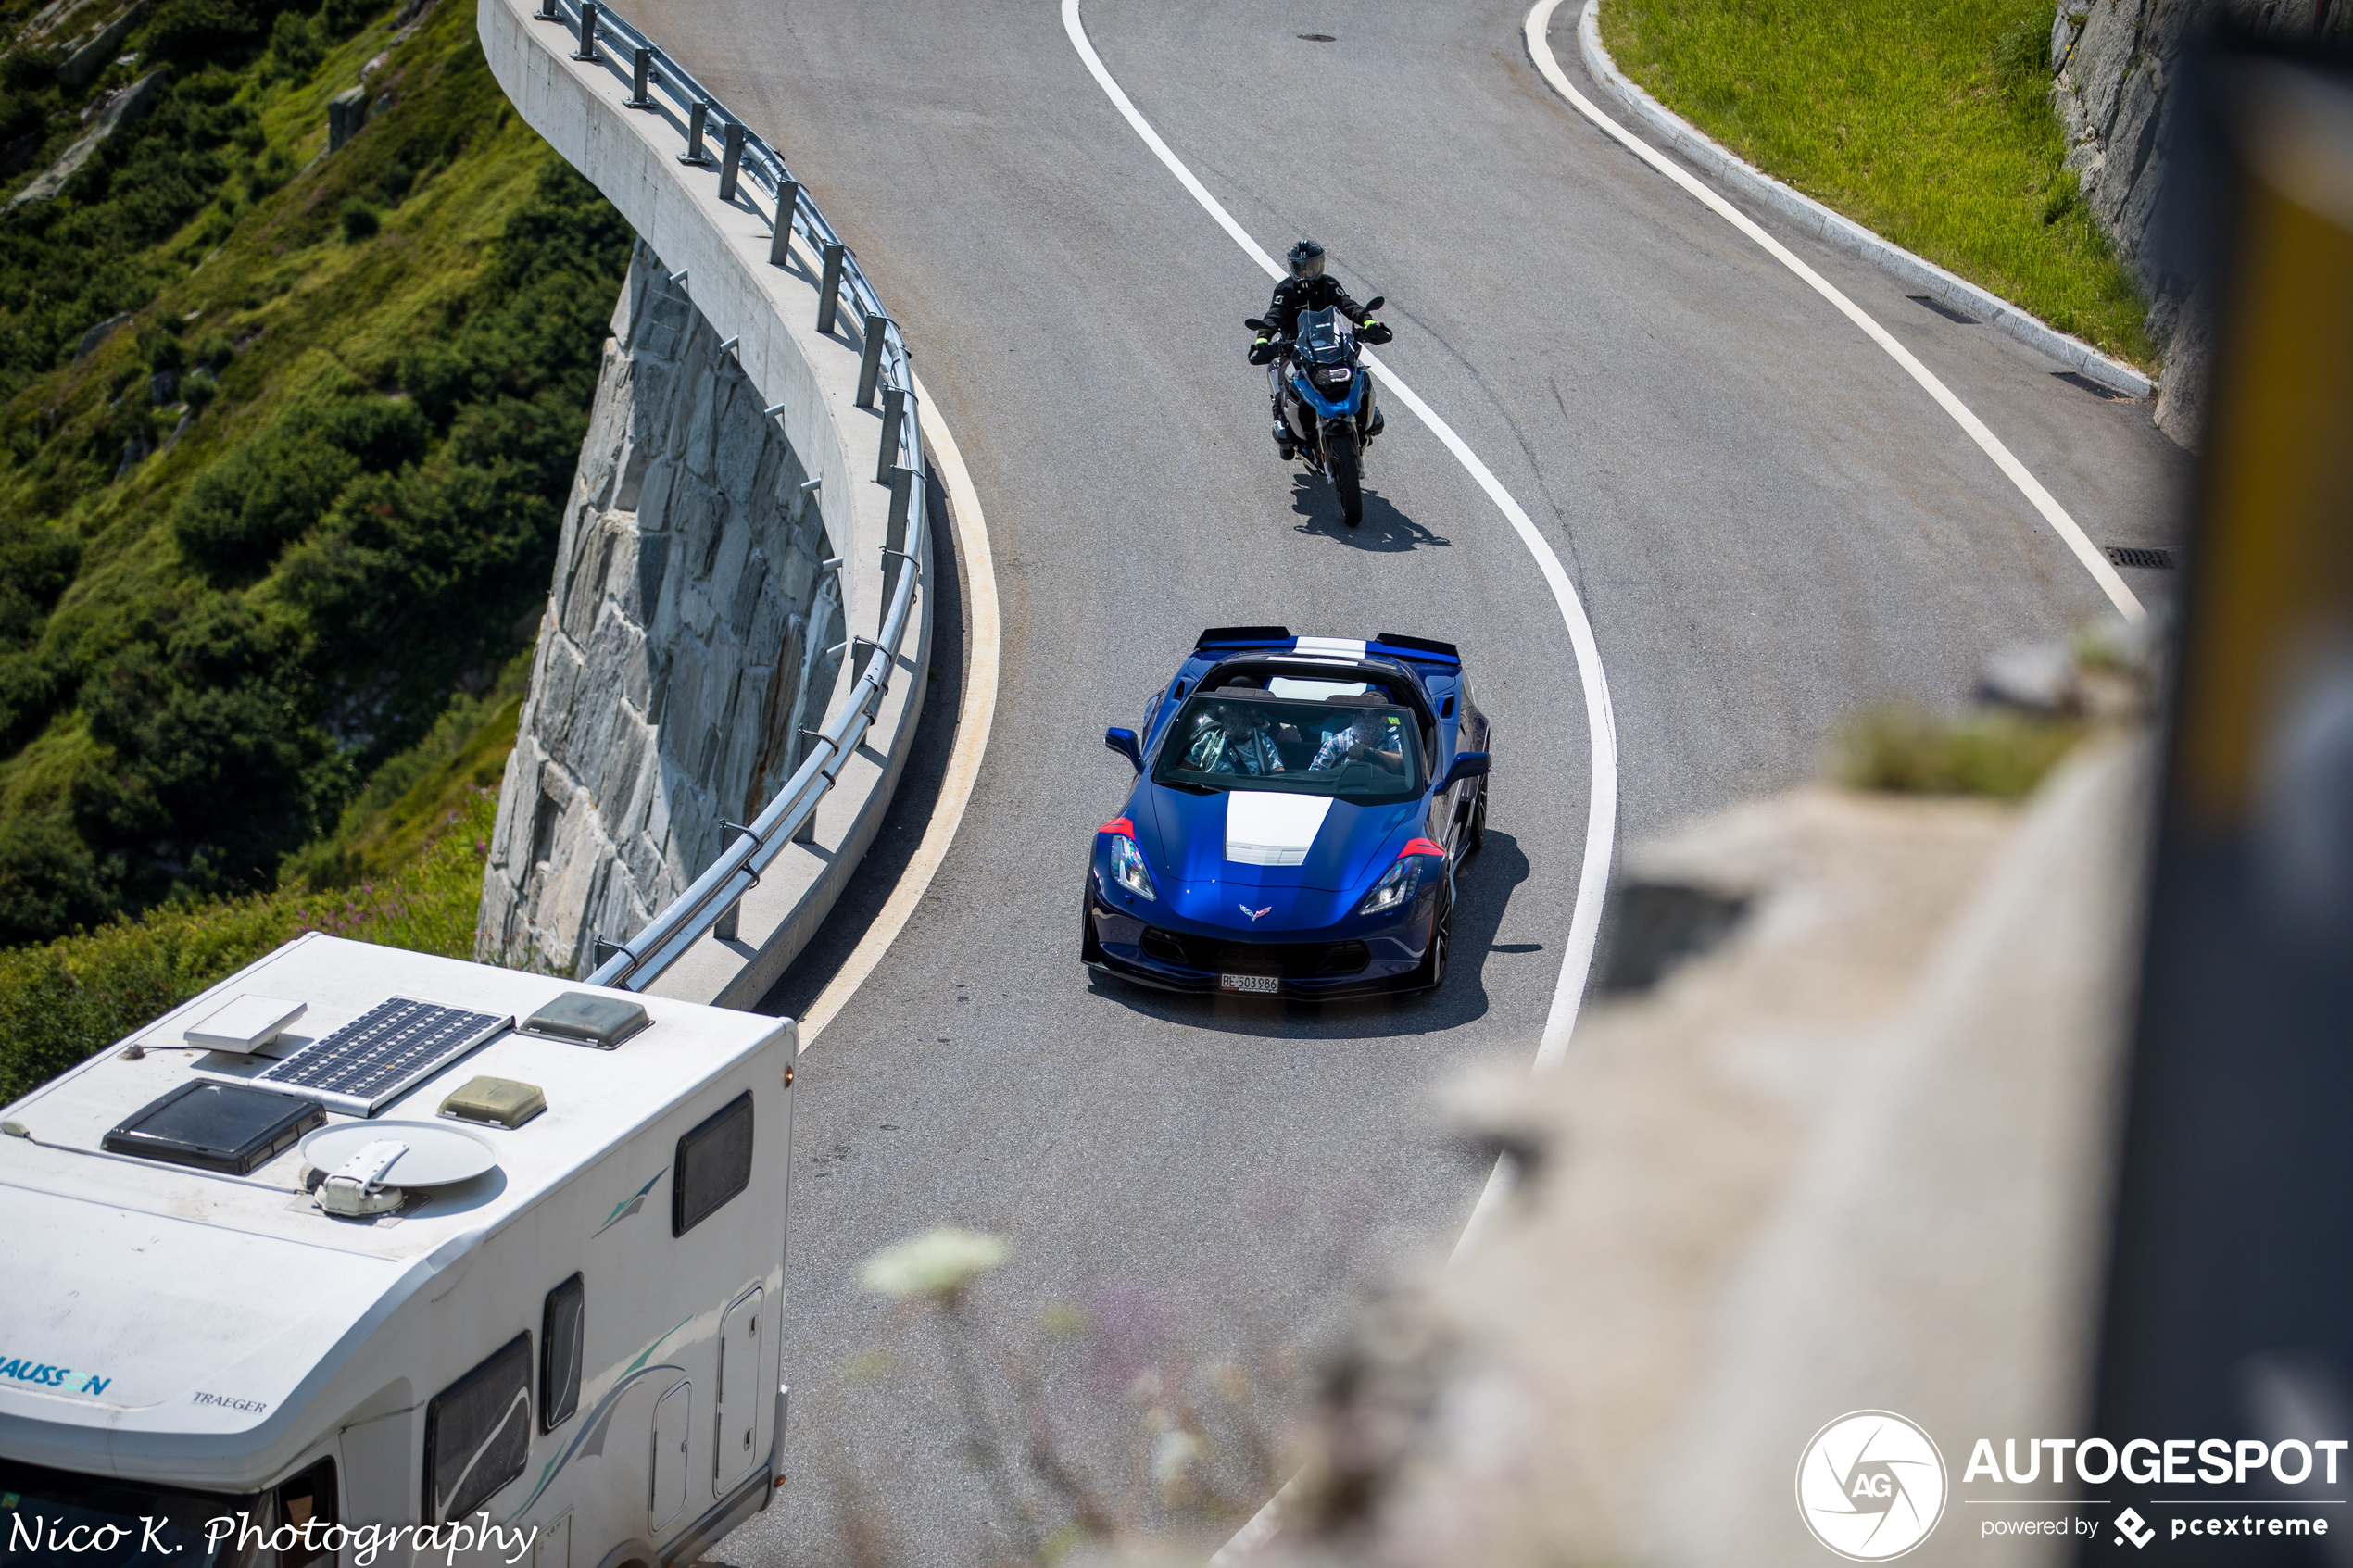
<point>1308,288</point>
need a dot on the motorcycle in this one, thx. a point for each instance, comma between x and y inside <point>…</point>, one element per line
<point>1326,403</point>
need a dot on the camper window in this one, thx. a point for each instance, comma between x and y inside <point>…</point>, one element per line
<point>713,1164</point>
<point>559,1328</point>
<point>478,1434</point>
<point>309,1498</point>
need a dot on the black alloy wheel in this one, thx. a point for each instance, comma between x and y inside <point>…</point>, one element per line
<point>1432,974</point>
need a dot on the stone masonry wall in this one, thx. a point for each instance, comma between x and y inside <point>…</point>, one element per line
<point>683,649</point>
<point>2111,64</point>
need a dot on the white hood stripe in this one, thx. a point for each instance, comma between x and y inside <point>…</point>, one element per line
<point>1264,828</point>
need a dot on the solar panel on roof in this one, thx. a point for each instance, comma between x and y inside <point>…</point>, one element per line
<point>381,1054</point>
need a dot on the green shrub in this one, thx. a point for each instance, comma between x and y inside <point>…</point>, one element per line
<point>28,70</point>
<point>360,220</point>
<point>61,1001</point>
<point>1995,752</point>
<point>344,18</point>
<point>295,50</point>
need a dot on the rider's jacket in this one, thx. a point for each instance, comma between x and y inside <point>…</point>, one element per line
<point>1295,295</point>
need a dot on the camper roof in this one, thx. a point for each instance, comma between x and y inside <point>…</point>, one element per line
<point>154,1297</point>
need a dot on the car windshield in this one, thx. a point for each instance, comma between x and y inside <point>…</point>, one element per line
<point>1348,745</point>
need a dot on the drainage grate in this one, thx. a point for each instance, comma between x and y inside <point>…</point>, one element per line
<point>1318,38</point>
<point>2106,394</point>
<point>1943,309</point>
<point>2134,555</point>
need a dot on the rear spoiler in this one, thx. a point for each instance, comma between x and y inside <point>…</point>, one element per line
<point>1243,636</point>
<point>1391,644</point>
<point>1418,647</point>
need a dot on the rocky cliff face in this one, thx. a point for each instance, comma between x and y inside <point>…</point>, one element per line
<point>688,639</point>
<point>2111,64</point>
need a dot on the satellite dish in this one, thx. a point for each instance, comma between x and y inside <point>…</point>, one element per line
<point>438,1154</point>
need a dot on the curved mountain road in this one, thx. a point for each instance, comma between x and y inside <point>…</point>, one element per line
<point>1770,524</point>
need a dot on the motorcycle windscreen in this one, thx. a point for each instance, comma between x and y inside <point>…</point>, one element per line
<point>1325,338</point>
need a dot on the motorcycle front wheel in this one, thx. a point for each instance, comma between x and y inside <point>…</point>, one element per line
<point>1342,461</point>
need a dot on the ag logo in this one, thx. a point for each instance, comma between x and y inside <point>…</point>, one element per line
<point>1870,1486</point>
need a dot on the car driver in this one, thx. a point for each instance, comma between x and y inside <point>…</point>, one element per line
<point>1233,737</point>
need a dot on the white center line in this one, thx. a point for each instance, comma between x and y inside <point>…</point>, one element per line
<point>1540,49</point>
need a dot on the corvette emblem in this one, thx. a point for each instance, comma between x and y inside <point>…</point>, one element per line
<point>1253,914</point>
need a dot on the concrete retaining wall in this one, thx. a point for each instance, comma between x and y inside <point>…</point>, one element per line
<point>682,651</point>
<point>621,830</point>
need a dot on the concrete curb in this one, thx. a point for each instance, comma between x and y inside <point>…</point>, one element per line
<point>1957,293</point>
<point>771,311</point>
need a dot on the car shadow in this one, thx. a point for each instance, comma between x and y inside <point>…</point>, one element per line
<point>1384,527</point>
<point>1482,889</point>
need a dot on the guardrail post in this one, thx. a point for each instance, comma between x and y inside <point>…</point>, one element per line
<point>787,203</point>
<point>641,67</point>
<point>695,153</point>
<point>731,160</point>
<point>870,363</point>
<point>902,495</point>
<point>587,50</point>
<point>894,410</point>
<point>830,291</point>
<point>729,921</point>
<point>548,11</point>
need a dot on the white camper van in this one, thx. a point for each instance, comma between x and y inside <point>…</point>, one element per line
<point>363,1239</point>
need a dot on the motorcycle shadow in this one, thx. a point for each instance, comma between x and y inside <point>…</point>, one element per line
<point>1384,528</point>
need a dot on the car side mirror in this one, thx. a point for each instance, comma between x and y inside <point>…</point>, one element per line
<point>1124,742</point>
<point>1468,765</point>
<point>1254,324</point>
<point>1375,303</point>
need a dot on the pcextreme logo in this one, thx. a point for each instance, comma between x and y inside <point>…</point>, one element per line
<point>1870,1486</point>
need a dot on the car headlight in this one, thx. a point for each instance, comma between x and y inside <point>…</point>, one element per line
<point>1128,867</point>
<point>1402,881</point>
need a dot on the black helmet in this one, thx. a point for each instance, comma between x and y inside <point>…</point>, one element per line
<point>1306,260</point>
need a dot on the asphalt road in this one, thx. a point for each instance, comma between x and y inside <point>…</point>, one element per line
<point>1771,525</point>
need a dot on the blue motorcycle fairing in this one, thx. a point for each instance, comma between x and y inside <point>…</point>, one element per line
<point>1344,408</point>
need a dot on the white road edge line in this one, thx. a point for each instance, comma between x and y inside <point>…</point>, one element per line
<point>1540,49</point>
<point>972,721</point>
<point>1601,820</point>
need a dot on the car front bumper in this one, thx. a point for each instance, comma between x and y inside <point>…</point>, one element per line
<point>1353,959</point>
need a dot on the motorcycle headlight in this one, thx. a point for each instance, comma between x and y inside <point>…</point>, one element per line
<point>1128,867</point>
<point>1402,881</point>
<point>1334,375</point>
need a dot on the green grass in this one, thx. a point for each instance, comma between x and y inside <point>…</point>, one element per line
<point>1993,751</point>
<point>1927,121</point>
<point>220,664</point>
<point>64,999</point>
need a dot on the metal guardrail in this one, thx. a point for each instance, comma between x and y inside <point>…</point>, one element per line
<point>712,899</point>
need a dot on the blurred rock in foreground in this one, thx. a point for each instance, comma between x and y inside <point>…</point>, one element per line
<point>1854,1155</point>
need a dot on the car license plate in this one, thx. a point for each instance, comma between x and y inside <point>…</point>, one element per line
<point>1266,982</point>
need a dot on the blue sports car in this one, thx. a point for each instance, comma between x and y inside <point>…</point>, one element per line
<point>1298,809</point>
